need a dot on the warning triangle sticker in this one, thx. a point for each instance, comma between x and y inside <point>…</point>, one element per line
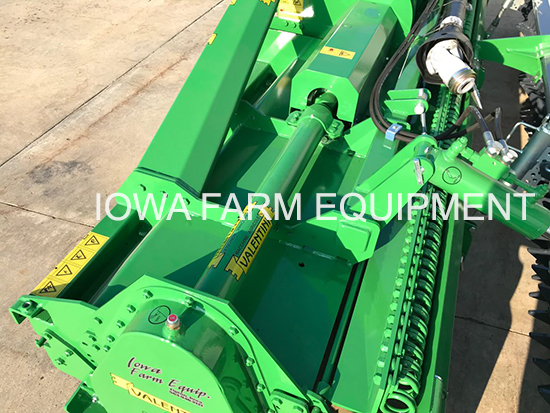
<point>78,256</point>
<point>65,270</point>
<point>92,241</point>
<point>48,288</point>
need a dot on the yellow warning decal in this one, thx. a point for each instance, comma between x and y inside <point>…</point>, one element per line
<point>268,2</point>
<point>290,9</point>
<point>146,397</point>
<point>70,266</point>
<point>332,51</point>
<point>240,264</point>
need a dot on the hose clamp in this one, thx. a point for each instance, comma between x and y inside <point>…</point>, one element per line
<point>392,131</point>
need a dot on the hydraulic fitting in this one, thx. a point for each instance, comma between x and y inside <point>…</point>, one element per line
<point>446,56</point>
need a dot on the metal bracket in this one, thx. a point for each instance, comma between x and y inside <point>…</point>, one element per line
<point>334,130</point>
<point>407,102</point>
<point>392,131</point>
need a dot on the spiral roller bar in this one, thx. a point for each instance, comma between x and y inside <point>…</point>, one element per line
<point>542,275</point>
<point>421,255</point>
<point>423,247</point>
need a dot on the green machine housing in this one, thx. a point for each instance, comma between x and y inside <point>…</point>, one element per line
<point>204,311</point>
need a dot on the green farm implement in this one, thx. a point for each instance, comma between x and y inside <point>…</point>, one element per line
<point>319,185</point>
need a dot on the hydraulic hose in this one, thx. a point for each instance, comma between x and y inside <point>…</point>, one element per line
<point>374,102</point>
<point>481,122</point>
<point>498,124</point>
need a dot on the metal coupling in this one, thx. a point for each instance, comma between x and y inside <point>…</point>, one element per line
<point>462,81</point>
<point>508,155</point>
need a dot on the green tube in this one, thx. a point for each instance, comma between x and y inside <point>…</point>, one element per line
<point>231,263</point>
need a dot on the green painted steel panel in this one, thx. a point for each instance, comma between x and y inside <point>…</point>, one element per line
<point>192,133</point>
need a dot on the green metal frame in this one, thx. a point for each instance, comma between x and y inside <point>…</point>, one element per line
<point>356,314</point>
<point>521,53</point>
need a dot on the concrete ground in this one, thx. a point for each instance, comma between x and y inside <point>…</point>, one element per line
<point>85,84</point>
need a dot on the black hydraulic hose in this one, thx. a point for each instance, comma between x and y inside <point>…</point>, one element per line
<point>457,124</point>
<point>479,117</point>
<point>498,124</point>
<point>480,122</point>
<point>374,103</point>
<point>473,127</point>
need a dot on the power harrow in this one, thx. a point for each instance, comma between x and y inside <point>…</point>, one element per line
<point>356,119</point>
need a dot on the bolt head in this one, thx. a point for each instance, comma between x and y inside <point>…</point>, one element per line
<point>509,157</point>
<point>492,151</point>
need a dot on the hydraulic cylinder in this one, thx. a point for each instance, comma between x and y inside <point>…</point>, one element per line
<point>521,211</point>
<point>539,142</point>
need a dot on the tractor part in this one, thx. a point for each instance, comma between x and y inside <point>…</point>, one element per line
<point>533,155</point>
<point>446,56</point>
<point>222,278</point>
<point>216,309</point>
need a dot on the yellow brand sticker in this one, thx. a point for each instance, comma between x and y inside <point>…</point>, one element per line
<point>219,254</point>
<point>240,264</point>
<point>70,266</point>
<point>146,397</point>
<point>212,38</point>
<point>290,9</point>
<point>332,51</point>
